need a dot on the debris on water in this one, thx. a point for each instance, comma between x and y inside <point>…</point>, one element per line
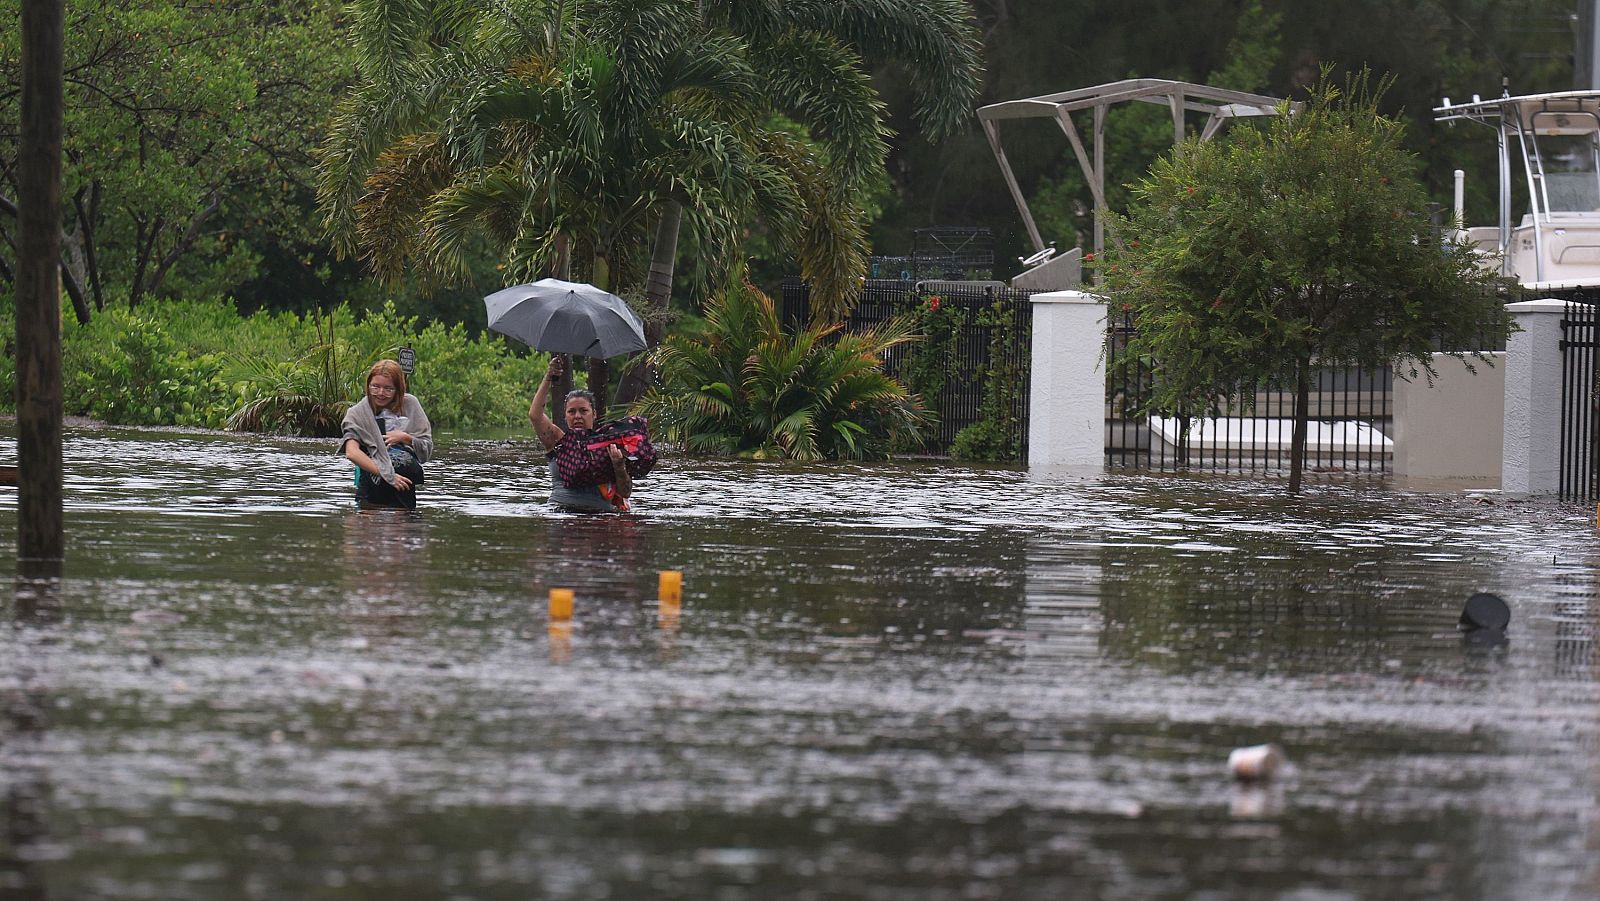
<point>1485,611</point>
<point>1256,762</point>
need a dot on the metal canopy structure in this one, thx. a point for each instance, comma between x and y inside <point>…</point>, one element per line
<point>1563,182</point>
<point>1181,97</point>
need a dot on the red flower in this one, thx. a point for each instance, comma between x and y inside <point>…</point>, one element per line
<point>1217,303</point>
<point>933,302</point>
<point>1088,258</point>
<point>1191,189</point>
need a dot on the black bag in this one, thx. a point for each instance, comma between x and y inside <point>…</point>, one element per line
<point>376,492</point>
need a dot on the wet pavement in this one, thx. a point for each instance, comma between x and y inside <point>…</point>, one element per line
<point>907,681</point>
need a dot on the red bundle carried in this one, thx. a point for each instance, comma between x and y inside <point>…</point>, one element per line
<point>582,457</point>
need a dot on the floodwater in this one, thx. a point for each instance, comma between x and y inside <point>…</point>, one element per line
<point>894,682</point>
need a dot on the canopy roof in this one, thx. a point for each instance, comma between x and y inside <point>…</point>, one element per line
<point>1181,97</point>
<point>1560,112</point>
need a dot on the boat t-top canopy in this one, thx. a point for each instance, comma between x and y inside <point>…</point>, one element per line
<point>1564,112</point>
<point>1558,137</point>
<point>1181,97</point>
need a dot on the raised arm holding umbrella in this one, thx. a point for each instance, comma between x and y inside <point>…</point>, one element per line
<point>570,317</point>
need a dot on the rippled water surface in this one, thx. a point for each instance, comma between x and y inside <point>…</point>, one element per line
<point>891,682</point>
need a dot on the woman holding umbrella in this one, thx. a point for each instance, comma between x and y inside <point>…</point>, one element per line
<point>579,412</point>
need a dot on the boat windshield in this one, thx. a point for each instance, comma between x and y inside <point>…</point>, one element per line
<point>1571,172</point>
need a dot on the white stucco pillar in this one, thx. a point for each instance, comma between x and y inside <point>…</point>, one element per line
<point>1532,463</point>
<point>1067,393</point>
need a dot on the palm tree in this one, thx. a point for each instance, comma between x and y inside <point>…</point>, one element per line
<point>535,126</point>
<point>536,139</point>
<point>749,388</point>
<point>810,59</point>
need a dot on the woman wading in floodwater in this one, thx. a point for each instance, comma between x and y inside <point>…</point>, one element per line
<point>579,412</point>
<point>388,438</point>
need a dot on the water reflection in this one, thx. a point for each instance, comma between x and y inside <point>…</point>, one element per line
<point>24,703</point>
<point>1062,613</point>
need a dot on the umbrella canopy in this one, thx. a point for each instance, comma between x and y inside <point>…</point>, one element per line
<point>565,317</point>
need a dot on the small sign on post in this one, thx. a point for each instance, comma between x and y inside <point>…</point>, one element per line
<point>407,359</point>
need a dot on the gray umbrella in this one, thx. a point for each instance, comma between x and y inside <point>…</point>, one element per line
<point>565,317</point>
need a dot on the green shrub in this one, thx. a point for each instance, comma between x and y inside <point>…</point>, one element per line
<point>199,363</point>
<point>747,388</point>
<point>124,367</point>
<point>929,363</point>
<point>997,435</point>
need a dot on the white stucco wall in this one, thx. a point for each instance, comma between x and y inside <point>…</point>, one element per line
<point>1067,393</point>
<point>1453,429</point>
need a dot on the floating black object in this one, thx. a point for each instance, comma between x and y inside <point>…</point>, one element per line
<point>1485,611</point>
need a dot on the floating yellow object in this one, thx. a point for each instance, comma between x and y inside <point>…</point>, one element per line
<point>560,603</point>
<point>671,586</point>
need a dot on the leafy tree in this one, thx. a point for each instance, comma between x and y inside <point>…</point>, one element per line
<point>563,142</point>
<point>186,123</point>
<point>1305,242</point>
<point>810,60</point>
<point>746,387</point>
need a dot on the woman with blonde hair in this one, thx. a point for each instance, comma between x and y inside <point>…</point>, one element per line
<point>388,437</point>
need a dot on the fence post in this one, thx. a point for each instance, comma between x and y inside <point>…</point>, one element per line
<point>1067,400</point>
<point>1532,462</point>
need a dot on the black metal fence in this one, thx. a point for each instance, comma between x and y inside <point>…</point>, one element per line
<point>989,340</point>
<point>1350,415</point>
<point>1350,409</point>
<point>1580,426</point>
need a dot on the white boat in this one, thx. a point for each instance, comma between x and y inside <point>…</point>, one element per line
<point>1556,243</point>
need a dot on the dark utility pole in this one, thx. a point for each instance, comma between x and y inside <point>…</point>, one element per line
<point>1585,73</point>
<point>41,538</point>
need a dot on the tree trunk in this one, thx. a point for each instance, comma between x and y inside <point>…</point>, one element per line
<point>80,306</point>
<point>599,369</point>
<point>74,288</point>
<point>87,220</point>
<point>41,537</point>
<point>563,271</point>
<point>658,300</point>
<point>190,235</point>
<point>146,248</point>
<point>1302,413</point>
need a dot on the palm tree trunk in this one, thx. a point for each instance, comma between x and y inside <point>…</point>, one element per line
<point>599,369</point>
<point>562,269</point>
<point>658,299</point>
<point>1302,412</point>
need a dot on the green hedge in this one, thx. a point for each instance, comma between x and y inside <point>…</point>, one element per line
<point>194,363</point>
